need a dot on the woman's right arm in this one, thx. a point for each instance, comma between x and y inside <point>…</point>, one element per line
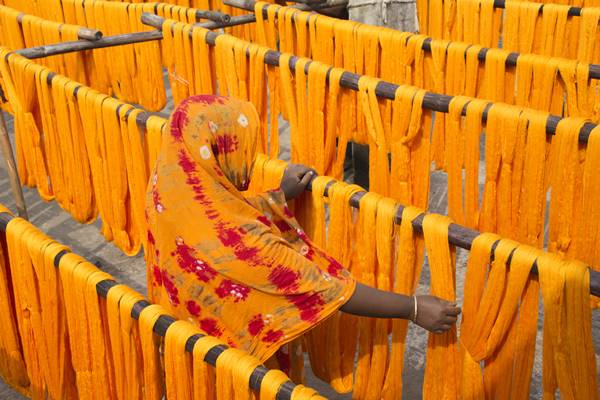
<point>434,314</point>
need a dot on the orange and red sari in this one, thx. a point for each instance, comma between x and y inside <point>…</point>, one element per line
<point>241,268</point>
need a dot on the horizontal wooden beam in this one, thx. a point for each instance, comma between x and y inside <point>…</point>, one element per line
<point>81,45</point>
<point>83,33</point>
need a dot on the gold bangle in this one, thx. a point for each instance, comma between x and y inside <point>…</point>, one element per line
<point>416,309</point>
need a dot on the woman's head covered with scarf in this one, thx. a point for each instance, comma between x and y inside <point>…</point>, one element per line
<point>241,268</point>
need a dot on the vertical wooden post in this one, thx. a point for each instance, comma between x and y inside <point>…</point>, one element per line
<point>11,167</point>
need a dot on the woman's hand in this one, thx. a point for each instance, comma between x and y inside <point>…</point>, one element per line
<point>434,314</point>
<point>295,179</point>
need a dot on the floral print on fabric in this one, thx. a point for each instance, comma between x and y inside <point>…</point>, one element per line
<point>240,268</point>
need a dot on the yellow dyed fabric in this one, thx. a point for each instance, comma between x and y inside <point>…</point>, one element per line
<point>442,369</point>
<point>12,364</point>
<point>568,361</point>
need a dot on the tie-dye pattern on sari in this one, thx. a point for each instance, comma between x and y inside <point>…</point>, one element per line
<point>241,268</point>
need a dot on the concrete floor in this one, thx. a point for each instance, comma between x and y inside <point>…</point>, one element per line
<point>88,242</point>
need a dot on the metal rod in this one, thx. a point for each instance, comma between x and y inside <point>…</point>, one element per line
<point>163,323</point>
<point>11,167</point>
<point>83,33</point>
<point>386,90</point>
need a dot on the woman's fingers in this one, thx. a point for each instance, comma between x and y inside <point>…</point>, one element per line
<point>449,320</point>
<point>453,310</point>
<point>443,328</point>
<point>308,175</point>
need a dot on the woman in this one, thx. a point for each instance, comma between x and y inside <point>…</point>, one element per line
<point>241,268</point>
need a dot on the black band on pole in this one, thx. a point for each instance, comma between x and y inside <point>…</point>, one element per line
<point>104,286</point>
<point>285,391</point>
<point>4,220</point>
<point>162,324</point>
<point>137,308</point>
<point>59,256</point>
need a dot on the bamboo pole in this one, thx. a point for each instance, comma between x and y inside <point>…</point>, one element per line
<point>386,90</point>
<point>80,45</point>
<point>213,15</point>
<point>119,40</point>
<point>83,33</point>
<point>11,167</point>
<point>216,16</point>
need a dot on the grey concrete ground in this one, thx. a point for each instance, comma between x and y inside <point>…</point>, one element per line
<point>88,242</point>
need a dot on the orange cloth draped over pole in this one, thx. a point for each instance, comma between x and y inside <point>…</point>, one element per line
<point>23,30</point>
<point>12,363</point>
<point>341,329</point>
<point>385,237</point>
<point>378,138</point>
<point>566,182</point>
<point>178,363</point>
<point>504,163</point>
<point>500,319</point>
<point>407,274</point>
<point>455,143</point>
<point>442,368</point>
<point>87,333</point>
<point>568,358</point>
<point>410,148</point>
<point>332,344</point>
<point>371,51</point>
<point>367,258</point>
<point>533,197</point>
<point>19,87</point>
<point>133,73</point>
<point>118,187</point>
<point>585,245</point>
<point>152,141</point>
<point>68,163</point>
<point>136,67</point>
<point>150,347</point>
<point>125,342</point>
<point>42,322</point>
<point>73,339</point>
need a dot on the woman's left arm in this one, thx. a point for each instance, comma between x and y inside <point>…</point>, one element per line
<point>434,314</point>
